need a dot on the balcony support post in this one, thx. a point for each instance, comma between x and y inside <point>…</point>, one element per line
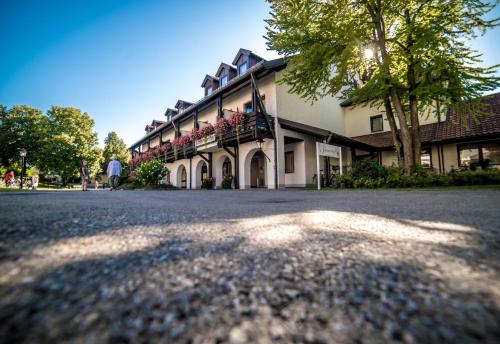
<point>236,164</point>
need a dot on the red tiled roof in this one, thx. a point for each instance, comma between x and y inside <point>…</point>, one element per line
<point>454,128</point>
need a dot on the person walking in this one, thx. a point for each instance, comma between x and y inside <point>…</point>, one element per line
<point>34,181</point>
<point>114,171</point>
<point>84,173</point>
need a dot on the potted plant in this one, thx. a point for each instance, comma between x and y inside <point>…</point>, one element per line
<point>227,182</point>
<point>208,183</point>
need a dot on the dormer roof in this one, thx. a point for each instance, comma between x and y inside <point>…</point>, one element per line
<point>182,104</point>
<point>247,53</point>
<point>154,124</point>
<point>157,123</point>
<point>171,112</point>
<point>209,78</point>
<point>224,66</point>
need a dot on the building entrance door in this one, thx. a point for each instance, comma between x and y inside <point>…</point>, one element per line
<point>183,178</point>
<point>258,170</point>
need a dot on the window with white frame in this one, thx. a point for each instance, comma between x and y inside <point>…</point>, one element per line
<point>224,80</point>
<point>242,68</point>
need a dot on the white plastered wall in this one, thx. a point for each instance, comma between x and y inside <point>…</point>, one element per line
<point>187,126</point>
<point>357,119</point>
<point>389,158</point>
<point>155,142</point>
<point>174,169</point>
<point>325,113</point>
<point>169,135</point>
<point>208,115</point>
<point>267,89</point>
<point>246,152</point>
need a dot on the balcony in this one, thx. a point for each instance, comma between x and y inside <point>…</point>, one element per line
<point>253,128</point>
<point>180,153</point>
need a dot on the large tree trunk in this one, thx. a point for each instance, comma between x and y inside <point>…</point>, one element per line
<point>415,128</point>
<point>412,85</point>
<point>406,135</point>
<point>396,139</point>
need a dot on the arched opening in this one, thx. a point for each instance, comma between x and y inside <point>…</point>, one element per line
<point>258,170</point>
<point>182,177</point>
<point>223,168</point>
<point>201,173</point>
<point>204,172</point>
<point>227,168</point>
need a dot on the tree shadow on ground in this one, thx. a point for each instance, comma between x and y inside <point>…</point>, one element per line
<point>323,287</point>
<point>318,289</point>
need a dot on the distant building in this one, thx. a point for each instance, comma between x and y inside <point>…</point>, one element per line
<point>276,144</point>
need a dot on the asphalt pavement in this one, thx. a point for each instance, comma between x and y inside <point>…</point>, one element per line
<point>250,266</point>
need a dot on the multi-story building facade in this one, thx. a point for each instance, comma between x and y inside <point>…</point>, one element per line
<point>274,143</point>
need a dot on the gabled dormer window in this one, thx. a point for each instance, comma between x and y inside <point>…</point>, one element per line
<point>223,80</point>
<point>242,68</point>
<point>209,90</point>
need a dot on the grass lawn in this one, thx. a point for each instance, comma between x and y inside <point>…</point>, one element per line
<point>448,187</point>
<point>40,188</point>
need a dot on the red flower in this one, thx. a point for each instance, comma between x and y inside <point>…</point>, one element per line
<point>236,119</point>
<point>221,126</point>
<point>181,141</point>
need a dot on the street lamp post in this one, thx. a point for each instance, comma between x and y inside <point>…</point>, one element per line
<point>22,153</point>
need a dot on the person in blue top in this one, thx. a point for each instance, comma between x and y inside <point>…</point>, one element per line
<point>114,171</point>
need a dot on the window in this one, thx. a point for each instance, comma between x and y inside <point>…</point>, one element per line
<point>242,68</point>
<point>223,80</point>
<point>426,158</point>
<point>376,123</point>
<point>482,154</point>
<point>209,90</point>
<point>491,153</point>
<point>248,107</point>
<point>468,155</point>
<point>289,163</point>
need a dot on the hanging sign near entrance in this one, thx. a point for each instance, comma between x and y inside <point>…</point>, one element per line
<point>331,151</point>
<point>328,150</point>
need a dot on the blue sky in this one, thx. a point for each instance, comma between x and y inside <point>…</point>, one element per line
<point>125,61</point>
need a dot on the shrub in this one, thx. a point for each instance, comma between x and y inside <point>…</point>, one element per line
<point>227,182</point>
<point>208,183</point>
<point>151,172</point>
<point>3,171</point>
<point>368,168</point>
<point>394,177</point>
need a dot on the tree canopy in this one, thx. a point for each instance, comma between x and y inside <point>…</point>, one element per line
<point>56,142</point>
<point>22,127</point>
<point>405,55</point>
<point>113,145</point>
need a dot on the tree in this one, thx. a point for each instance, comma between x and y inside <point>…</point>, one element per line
<point>113,145</point>
<point>420,58</point>
<point>22,127</point>
<point>71,140</point>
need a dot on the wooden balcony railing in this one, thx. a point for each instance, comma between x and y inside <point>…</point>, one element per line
<point>253,128</point>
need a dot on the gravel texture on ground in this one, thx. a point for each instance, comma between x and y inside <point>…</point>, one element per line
<point>250,266</point>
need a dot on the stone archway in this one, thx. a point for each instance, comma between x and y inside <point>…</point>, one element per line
<point>182,181</point>
<point>224,166</point>
<point>201,172</point>
<point>256,169</point>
